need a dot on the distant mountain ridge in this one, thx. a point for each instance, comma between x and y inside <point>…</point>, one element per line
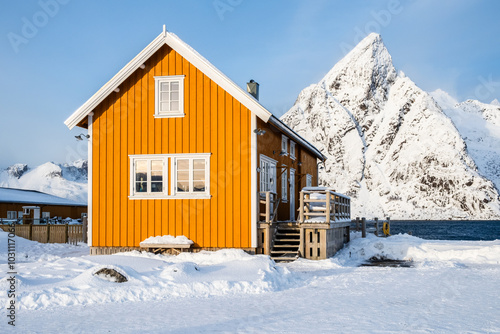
<point>63,180</point>
<point>389,144</point>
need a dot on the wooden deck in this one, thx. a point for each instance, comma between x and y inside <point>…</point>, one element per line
<point>322,229</point>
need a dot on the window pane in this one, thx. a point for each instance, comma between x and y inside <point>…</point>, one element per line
<point>199,175</point>
<point>199,164</point>
<point>141,187</point>
<point>174,106</point>
<point>183,175</point>
<point>182,186</point>
<point>157,165</point>
<point>174,86</point>
<point>156,187</point>
<point>141,170</point>
<point>164,86</point>
<point>174,96</point>
<point>156,176</point>
<point>198,186</point>
<point>164,97</point>
<point>182,164</point>
<point>164,106</point>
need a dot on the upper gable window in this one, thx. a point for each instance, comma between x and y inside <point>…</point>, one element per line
<point>169,96</point>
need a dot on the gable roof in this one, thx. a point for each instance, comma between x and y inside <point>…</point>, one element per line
<point>190,55</point>
<point>199,62</point>
<point>24,196</point>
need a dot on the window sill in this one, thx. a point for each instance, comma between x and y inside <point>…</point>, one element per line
<point>179,196</point>
<point>172,115</point>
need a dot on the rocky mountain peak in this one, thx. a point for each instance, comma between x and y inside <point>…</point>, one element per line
<point>389,144</point>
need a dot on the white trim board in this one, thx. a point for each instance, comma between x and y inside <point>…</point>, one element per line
<point>89,175</point>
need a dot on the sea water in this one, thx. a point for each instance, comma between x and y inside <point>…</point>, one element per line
<point>449,229</point>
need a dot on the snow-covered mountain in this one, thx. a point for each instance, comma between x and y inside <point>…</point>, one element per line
<point>389,144</point>
<point>479,125</point>
<point>63,180</point>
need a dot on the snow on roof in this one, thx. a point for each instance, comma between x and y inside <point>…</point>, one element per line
<point>12,195</point>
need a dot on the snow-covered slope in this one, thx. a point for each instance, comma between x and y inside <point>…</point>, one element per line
<point>389,144</point>
<point>63,180</point>
<point>479,125</point>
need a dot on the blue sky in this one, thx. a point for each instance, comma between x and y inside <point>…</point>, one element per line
<point>55,54</point>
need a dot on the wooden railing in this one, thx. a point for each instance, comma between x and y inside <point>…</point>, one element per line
<point>268,206</point>
<point>323,205</point>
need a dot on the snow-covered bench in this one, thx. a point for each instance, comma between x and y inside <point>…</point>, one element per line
<point>160,244</point>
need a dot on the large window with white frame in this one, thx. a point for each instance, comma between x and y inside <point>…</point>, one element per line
<point>267,174</point>
<point>190,176</point>
<point>11,214</point>
<point>148,176</point>
<point>292,149</point>
<point>284,145</point>
<point>169,96</point>
<point>284,185</point>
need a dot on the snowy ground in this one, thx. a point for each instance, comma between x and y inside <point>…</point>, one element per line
<point>452,288</point>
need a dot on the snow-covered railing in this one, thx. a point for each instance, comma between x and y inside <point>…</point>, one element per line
<point>323,205</point>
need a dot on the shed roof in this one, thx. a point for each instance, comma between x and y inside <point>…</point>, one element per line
<point>24,196</point>
<point>199,62</point>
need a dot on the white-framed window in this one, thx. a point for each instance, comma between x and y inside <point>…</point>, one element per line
<point>169,96</point>
<point>11,214</point>
<point>284,144</point>
<point>292,149</point>
<point>309,180</point>
<point>267,174</point>
<point>19,214</point>
<point>148,176</point>
<point>189,176</point>
<point>284,184</point>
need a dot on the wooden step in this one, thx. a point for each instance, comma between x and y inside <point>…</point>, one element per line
<point>279,247</point>
<point>278,234</point>
<point>291,241</point>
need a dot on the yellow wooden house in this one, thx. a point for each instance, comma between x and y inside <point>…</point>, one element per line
<point>177,148</point>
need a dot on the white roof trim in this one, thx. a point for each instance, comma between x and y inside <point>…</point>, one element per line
<point>190,55</point>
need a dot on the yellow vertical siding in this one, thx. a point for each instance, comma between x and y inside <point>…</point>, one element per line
<point>215,123</point>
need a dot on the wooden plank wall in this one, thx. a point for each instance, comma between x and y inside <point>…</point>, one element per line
<point>63,211</point>
<point>214,123</point>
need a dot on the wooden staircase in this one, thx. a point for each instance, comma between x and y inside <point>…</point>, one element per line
<point>286,245</point>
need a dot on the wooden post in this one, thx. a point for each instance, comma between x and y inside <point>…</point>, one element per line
<point>268,206</point>
<point>48,233</point>
<point>30,232</point>
<point>328,206</point>
<point>267,241</point>
<point>84,229</point>
<point>301,207</point>
<point>363,227</point>
<point>66,234</point>
<point>376,226</point>
<point>357,224</point>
